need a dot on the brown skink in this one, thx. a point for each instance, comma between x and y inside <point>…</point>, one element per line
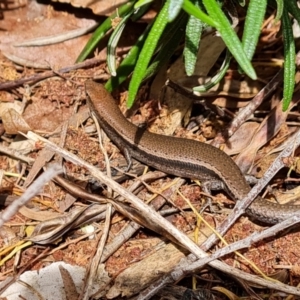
<point>178,156</point>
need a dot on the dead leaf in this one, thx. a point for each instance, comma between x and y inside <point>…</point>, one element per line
<point>13,122</point>
<point>38,215</point>
<point>267,130</point>
<point>241,138</point>
<point>37,20</point>
<point>68,283</point>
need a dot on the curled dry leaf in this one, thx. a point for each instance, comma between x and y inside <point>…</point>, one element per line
<point>68,282</point>
<point>267,130</point>
<point>38,215</point>
<point>241,138</point>
<point>16,105</point>
<point>13,122</point>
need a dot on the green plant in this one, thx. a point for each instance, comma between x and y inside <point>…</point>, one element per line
<point>156,44</point>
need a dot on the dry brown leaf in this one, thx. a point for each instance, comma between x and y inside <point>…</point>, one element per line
<point>38,215</point>
<point>241,138</point>
<point>268,129</point>
<point>13,122</point>
<point>38,20</point>
<point>68,282</point>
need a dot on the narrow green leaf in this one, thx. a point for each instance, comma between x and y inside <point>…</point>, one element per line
<point>112,44</point>
<point>241,2</point>
<point>230,37</point>
<point>289,60</point>
<point>149,47</point>
<point>102,29</point>
<point>141,3</point>
<point>191,9</point>
<point>280,5</point>
<point>216,79</point>
<point>174,9</point>
<point>293,9</point>
<point>139,11</point>
<point>169,40</point>
<point>194,30</point>
<point>128,63</point>
<point>254,19</point>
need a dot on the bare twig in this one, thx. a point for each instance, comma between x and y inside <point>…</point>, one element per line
<point>97,258</point>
